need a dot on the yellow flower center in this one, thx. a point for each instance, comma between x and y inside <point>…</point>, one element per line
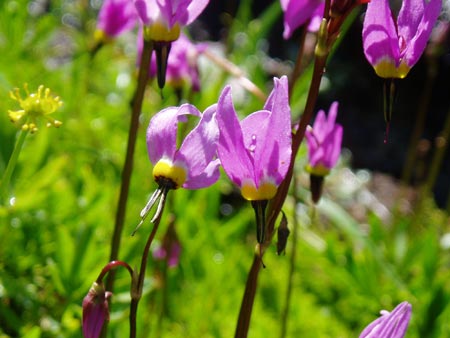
<point>160,32</point>
<point>387,69</point>
<point>166,169</point>
<point>318,170</point>
<point>265,191</point>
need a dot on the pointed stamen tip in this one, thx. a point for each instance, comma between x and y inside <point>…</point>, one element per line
<point>137,227</point>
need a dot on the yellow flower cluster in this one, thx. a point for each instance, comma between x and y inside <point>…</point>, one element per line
<point>34,106</point>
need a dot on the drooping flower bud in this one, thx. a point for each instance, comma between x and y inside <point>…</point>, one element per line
<point>95,310</point>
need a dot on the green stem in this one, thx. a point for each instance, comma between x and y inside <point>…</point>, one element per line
<point>136,106</point>
<point>287,304</point>
<point>12,163</point>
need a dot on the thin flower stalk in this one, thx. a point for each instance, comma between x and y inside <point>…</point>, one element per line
<point>277,202</point>
<point>12,162</point>
<point>136,106</point>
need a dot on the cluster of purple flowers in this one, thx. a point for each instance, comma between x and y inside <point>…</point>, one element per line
<point>255,153</point>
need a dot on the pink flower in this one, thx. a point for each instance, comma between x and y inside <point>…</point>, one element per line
<point>163,18</point>
<point>391,324</point>
<point>193,165</point>
<point>95,310</point>
<point>298,12</point>
<point>115,17</point>
<point>256,152</point>
<point>392,46</point>
<point>324,142</point>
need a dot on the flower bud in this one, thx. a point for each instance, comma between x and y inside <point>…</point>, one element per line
<point>95,310</point>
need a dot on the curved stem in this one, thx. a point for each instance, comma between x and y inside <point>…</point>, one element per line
<point>136,106</point>
<point>12,163</point>
<point>112,265</point>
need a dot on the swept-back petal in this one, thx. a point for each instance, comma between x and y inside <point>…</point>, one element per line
<point>332,146</point>
<point>320,126</point>
<point>234,156</point>
<point>200,146</point>
<point>415,30</point>
<point>147,10</point>
<point>116,16</point>
<point>207,177</point>
<point>272,157</point>
<point>390,325</point>
<point>380,39</point>
<point>254,130</point>
<point>162,131</point>
<point>194,9</point>
<point>296,13</point>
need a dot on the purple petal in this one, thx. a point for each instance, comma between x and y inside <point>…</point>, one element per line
<point>116,17</point>
<point>380,39</point>
<point>324,140</point>
<point>272,158</point>
<point>182,12</point>
<point>146,10</point>
<point>254,130</point>
<point>162,131</point>
<point>296,13</point>
<point>199,148</point>
<point>415,30</point>
<point>333,146</point>
<point>390,325</point>
<point>195,8</point>
<point>234,156</point>
<point>209,176</point>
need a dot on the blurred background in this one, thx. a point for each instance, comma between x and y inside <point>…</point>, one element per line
<point>379,236</point>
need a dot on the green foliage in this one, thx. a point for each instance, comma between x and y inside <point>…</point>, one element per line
<point>57,222</point>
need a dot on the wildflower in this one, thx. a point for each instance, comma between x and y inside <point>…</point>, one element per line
<point>115,17</point>
<point>34,106</point>
<point>324,141</point>
<point>296,13</point>
<point>193,165</point>
<point>95,310</point>
<point>391,324</point>
<point>392,46</point>
<point>162,24</point>
<point>255,153</point>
